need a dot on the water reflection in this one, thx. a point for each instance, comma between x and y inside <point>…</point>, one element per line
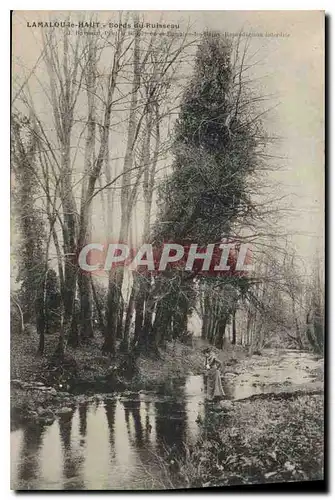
<point>133,421</point>
<point>110,408</point>
<point>116,443</point>
<point>171,431</point>
<point>82,409</point>
<point>28,470</point>
<point>72,455</point>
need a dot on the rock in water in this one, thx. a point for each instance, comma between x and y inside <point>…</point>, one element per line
<point>45,413</point>
<point>48,421</point>
<point>16,383</point>
<point>40,410</point>
<point>226,405</point>
<point>64,411</point>
<point>32,415</point>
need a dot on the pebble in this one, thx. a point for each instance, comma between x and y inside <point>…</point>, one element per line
<point>37,386</point>
<point>16,383</point>
<point>24,385</point>
<point>64,411</point>
<point>226,405</point>
<point>81,399</point>
<point>45,412</point>
<point>33,414</point>
<point>48,420</point>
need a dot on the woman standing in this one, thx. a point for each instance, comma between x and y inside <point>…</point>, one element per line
<point>214,385</point>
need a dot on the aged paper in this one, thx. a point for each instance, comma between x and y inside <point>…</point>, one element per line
<point>167,296</point>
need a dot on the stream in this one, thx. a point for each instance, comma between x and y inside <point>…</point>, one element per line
<point>109,442</point>
<point>119,442</point>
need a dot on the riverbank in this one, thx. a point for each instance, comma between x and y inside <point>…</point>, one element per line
<point>38,391</point>
<point>36,384</point>
<point>278,438</point>
<point>176,360</point>
<point>269,429</point>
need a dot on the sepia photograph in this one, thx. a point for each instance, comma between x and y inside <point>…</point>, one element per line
<point>167,301</point>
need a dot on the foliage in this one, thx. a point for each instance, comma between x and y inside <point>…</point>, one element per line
<point>53,304</point>
<point>29,218</point>
<point>269,440</point>
<point>216,148</point>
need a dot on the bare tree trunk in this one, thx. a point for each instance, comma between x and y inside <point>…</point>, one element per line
<point>84,284</point>
<point>296,323</point>
<point>129,315</point>
<point>219,339</point>
<point>40,307</point>
<point>98,307</point>
<point>234,327</point>
<point>21,314</point>
<point>249,325</point>
<point>63,96</point>
<point>139,317</point>
<point>116,276</point>
<point>162,323</point>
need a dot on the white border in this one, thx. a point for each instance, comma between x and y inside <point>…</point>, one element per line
<point>4,180</point>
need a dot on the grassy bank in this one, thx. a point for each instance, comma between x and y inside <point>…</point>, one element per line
<point>273,439</point>
<point>92,370</point>
<point>175,360</point>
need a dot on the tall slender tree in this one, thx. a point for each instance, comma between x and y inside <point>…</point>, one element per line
<point>218,144</point>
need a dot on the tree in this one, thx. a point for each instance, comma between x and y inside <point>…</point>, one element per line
<point>32,264</point>
<point>315,315</point>
<point>153,68</point>
<point>63,67</point>
<point>53,303</point>
<point>218,148</point>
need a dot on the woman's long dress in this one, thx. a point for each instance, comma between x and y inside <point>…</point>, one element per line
<point>214,387</point>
